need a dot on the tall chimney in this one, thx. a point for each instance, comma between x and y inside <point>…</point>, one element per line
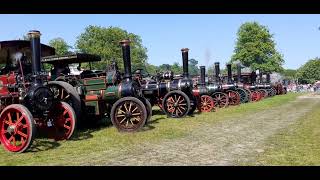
<point>126,59</point>
<point>185,62</point>
<point>268,78</point>
<point>229,73</point>
<point>202,75</point>
<point>34,36</point>
<point>238,73</point>
<point>217,71</point>
<point>260,77</point>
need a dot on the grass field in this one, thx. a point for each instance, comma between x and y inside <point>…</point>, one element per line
<point>89,144</point>
<point>297,145</point>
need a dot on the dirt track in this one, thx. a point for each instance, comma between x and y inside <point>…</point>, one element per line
<point>229,142</point>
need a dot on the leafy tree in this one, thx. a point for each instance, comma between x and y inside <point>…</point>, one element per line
<point>193,67</point>
<point>151,69</point>
<point>176,68</point>
<point>255,48</point>
<point>104,41</point>
<point>309,72</point>
<point>60,45</point>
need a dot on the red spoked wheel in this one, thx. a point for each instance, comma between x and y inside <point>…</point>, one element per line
<point>264,93</point>
<point>61,122</point>
<point>206,104</point>
<point>255,96</point>
<point>221,100</point>
<point>17,128</point>
<point>234,97</point>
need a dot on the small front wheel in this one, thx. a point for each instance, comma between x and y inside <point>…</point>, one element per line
<point>128,114</point>
<point>176,104</point>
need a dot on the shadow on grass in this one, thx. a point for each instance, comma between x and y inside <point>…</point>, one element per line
<point>149,125</point>
<point>157,112</point>
<point>43,145</point>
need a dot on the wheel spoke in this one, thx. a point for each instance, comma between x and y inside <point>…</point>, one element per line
<point>67,127</point>
<point>136,114</point>
<point>136,119</point>
<point>9,117</point>
<point>130,106</point>
<point>7,122</point>
<point>125,107</point>
<point>134,109</point>
<point>121,112</point>
<point>123,120</point>
<point>178,98</point>
<point>120,115</point>
<point>14,141</point>
<point>22,134</point>
<point>19,120</point>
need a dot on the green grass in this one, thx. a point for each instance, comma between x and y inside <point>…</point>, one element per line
<point>92,143</point>
<point>297,145</point>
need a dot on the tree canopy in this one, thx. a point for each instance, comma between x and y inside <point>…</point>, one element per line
<point>309,72</point>
<point>255,48</point>
<point>60,45</point>
<point>104,41</point>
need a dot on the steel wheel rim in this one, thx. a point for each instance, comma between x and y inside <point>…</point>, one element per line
<point>176,105</point>
<point>207,103</point>
<point>233,98</point>
<point>15,130</point>
<point>220,100</point>
<point>129,115</point>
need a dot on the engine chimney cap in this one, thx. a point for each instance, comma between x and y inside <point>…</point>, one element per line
<point>184,49</point>
<point>125,42</point>
<point>202,66</point>
<point>34,33</point>
<point>216,63</point>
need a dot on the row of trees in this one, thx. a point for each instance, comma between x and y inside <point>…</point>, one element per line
<point>255,48</point>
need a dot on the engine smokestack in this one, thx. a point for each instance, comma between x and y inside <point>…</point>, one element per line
<point>34,36</point>
<point>229,73</point>
<point>217,71</point>
<point>126,59</point>
<point>185,62</point>
<point>202,75</point>
<point>238,73</point>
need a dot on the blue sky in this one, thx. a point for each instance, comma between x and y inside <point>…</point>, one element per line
<point>210,38</point>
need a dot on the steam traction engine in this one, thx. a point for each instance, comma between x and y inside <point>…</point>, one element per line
<point>174,95</point>
<point>206,101</point>
<point>26,104</point>
<point>108,93</point>
<point>247,82</point>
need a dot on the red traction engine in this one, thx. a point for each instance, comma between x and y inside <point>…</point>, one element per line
<point>26,103</point>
